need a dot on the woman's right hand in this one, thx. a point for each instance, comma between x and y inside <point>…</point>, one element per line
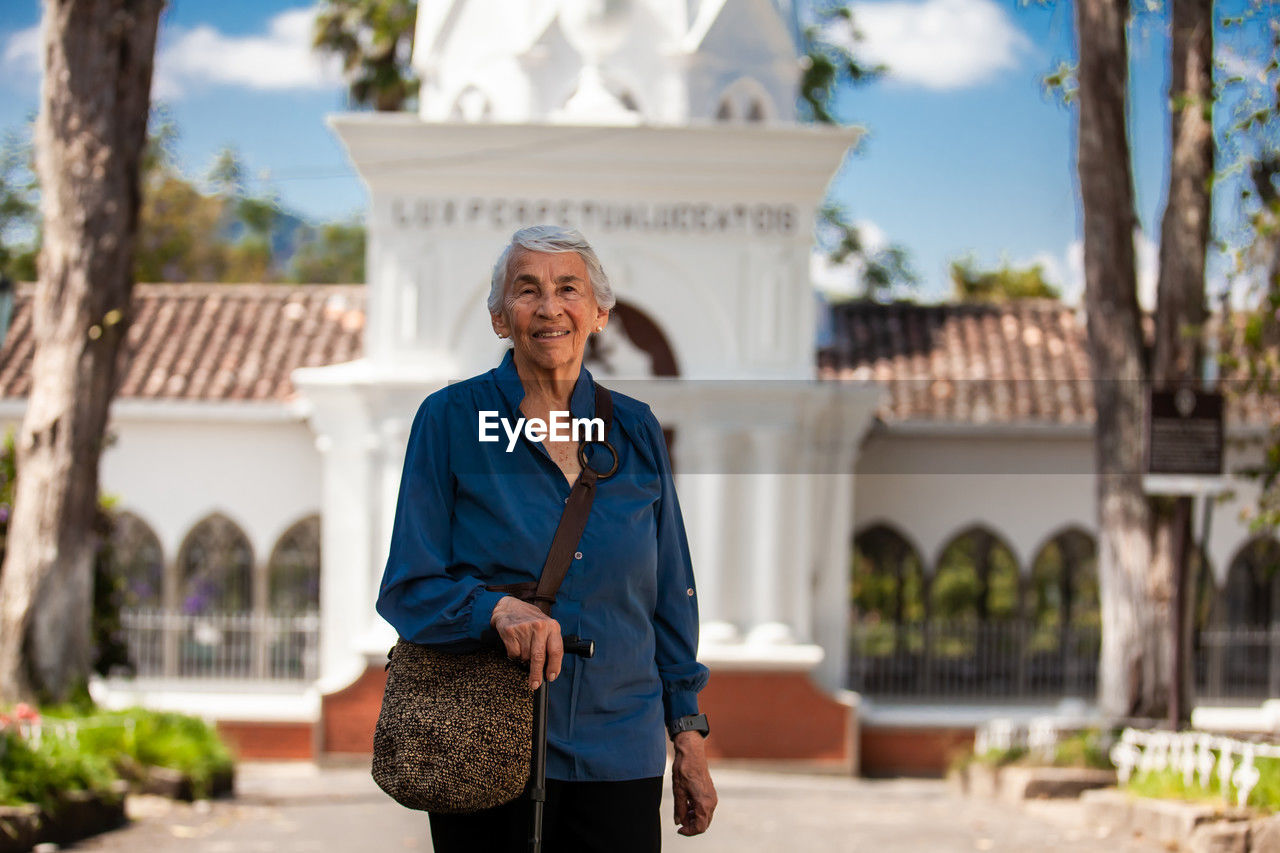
<point>531,636</point>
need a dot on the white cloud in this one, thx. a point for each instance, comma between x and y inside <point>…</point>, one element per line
<point>1250,68</point>
<point>22,51</point>
<point>938,44</point>
<point>282,59</point>
<point>279,60</point>
<point>1148,254</point>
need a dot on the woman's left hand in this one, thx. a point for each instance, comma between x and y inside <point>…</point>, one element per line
<point>695,795</point>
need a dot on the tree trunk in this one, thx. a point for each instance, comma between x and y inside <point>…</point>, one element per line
<point>1180,305</point>
<point>1131,680</point>
<point>89,142</point>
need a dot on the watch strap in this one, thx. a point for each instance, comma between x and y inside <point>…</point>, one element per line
<point>689,723</point>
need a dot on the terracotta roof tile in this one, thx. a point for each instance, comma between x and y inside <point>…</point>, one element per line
<point>1023,362</point>
<point>213,341</point>
<point>1018,363</point>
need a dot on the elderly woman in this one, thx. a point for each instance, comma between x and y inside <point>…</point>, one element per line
<point>476,514</point>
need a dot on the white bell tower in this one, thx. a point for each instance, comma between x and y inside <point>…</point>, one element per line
<point>665,131</point>
<point>607,61</point>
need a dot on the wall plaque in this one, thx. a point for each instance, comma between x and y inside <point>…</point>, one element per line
<point>1184,432</point>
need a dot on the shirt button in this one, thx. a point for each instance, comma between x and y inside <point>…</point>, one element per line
<point>689,591</point>
<point>577,555</point>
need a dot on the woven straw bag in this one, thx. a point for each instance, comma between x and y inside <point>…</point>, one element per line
<point>455,730</point>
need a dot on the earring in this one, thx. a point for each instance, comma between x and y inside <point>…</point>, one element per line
<point>599,328</point>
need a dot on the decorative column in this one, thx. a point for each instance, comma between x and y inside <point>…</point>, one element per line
<point>767,599</point>
<point>703,493</point>
<point>802,569</point>
<point>840,423</point>
<point>348,446</point>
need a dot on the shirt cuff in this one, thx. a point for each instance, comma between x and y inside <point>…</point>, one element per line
<point>681,703</point>
<point>482,612</point>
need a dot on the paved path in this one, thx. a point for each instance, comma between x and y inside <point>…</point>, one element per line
<point>302,809</point>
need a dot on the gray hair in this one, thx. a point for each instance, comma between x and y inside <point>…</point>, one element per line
<point>553,239</point>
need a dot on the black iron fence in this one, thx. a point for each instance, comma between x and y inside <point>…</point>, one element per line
<point>1016,660</point>
<point>258,647</point>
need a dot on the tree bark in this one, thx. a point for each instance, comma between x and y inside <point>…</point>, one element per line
<point>1131,681</point>
<point>90,136</point>
<point>1180,300</point>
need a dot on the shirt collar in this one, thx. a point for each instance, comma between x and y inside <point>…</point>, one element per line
<point>582,401</point>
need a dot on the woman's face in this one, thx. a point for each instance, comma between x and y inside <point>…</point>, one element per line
<point>549,311</point>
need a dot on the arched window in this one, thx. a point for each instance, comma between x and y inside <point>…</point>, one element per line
<point>1251,598</point>
<point>215,568</point>
<point>293,573</point>
<point>888,578</point>
<point>1060,645</point>
<point>976,579</point>
<point>888,608</point>
<point>1064,581</point>
<point>136,561</point>
<point>745,100</point>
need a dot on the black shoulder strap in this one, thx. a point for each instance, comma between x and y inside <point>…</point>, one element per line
<point>574,519</point>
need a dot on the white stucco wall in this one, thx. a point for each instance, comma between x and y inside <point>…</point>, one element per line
<point>931,483</point>
<point>174,464</point>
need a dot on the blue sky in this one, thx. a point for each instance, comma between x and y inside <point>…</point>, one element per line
<point>965,152</point>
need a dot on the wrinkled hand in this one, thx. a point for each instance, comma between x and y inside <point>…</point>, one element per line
<point>695,795</point>
<point>531,636</point>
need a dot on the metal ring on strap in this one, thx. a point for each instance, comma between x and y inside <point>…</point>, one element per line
<point>582,459</point>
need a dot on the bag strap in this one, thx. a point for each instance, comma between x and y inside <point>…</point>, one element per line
<point>574,520</point>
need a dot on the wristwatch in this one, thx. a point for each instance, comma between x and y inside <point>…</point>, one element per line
<point>689,723</point>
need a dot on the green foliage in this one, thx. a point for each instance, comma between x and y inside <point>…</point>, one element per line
<point>185,234</point>
<point>40,771</point>
<point>332,254</point>
<point>1088,748</point>
<point>829,60</point>
<point>1061,83</point>
<point>105,747</point>
<point>1005,284</point>
<point>976,577</point>
<point>178,232</point>
<point>879,271</point>
<point>374,39</point>
<point>230,234</point>
<point>1250,147</point>
<point>19,214</point>
<point>1000,757</point>
<point>1170,784</point>
<point>138,738</point>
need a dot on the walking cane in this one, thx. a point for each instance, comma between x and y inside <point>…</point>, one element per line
<point>573,645</point>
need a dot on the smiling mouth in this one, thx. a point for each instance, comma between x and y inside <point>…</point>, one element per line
<point>545,335</point>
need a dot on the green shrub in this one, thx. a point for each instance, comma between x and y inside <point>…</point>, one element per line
<point>138,738</point>
<point>107,746</point>
<point>1088,748</point>
<point>40,771</point>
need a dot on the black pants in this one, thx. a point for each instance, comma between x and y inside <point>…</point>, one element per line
<point>580,817</point>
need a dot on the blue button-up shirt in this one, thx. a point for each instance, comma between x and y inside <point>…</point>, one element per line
<point>471,514</point>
